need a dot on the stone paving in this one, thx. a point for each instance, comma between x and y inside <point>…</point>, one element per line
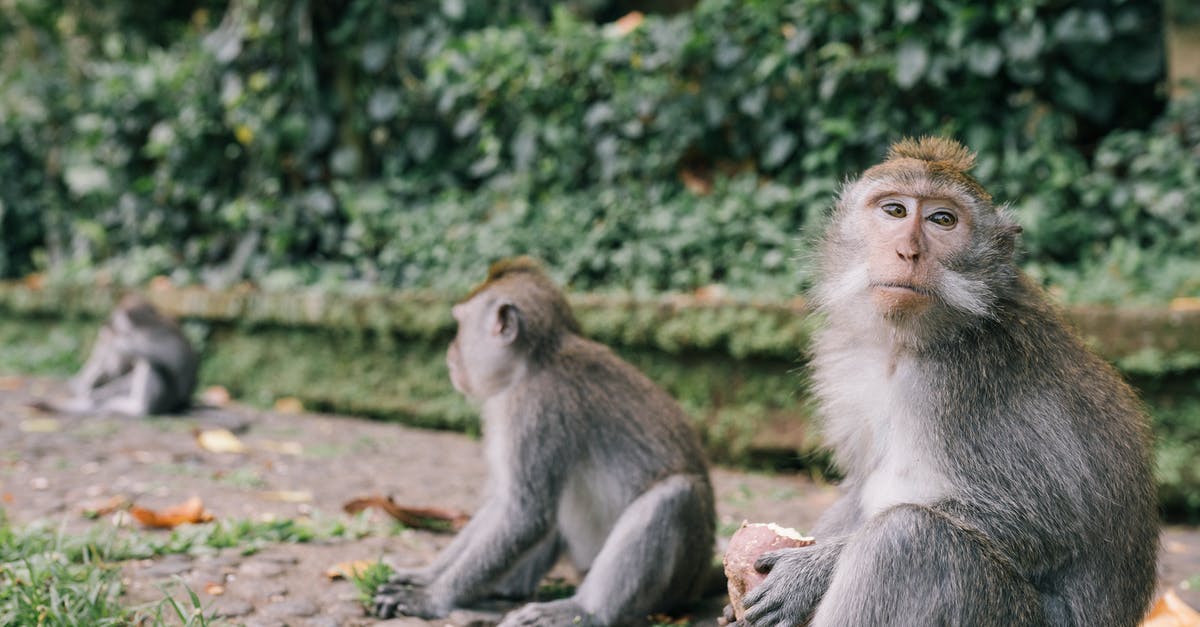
<point>299,465</point>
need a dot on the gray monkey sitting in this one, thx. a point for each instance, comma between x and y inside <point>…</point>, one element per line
<point>997,472</point>
<point>141,363</point>
<point>585,455</point>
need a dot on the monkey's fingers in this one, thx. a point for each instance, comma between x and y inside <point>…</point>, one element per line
<point>390,601</point>
<point>766,561</point>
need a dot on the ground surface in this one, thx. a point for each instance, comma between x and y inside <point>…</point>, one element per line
<point>301,465</point>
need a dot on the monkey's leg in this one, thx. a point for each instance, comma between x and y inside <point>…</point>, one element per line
<point>914,565</point>
<point>654,558</point>
<point>146,388</point>
<point>522,580</point>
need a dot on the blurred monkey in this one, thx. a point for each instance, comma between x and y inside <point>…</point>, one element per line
<point>997,471</point>
<point>140,364</point>
<point>586,457</point>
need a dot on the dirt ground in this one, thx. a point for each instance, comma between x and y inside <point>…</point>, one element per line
<point>307,465</point>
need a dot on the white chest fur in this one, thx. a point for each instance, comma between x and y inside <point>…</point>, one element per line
<point>875,423</point>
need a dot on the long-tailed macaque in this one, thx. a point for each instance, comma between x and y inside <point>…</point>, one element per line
<point>996,471</point>
<point>140,364</point>
<point>586,456</point>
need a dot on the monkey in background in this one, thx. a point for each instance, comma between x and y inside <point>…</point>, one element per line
<point>586,456</point>
<point>140,364</point>
<point>996,470</point>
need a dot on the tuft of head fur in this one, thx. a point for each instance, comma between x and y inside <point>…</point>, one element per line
<point>542,308</point>
<point>941,150</point>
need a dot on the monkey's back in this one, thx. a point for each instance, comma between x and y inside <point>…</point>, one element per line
<point>618,414</point>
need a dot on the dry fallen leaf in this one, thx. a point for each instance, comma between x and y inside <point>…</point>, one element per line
<point>39,425</point>
<point>349,570</point>
<point>289,405</point>
<point>431,518</point>
<point>1171,611</point>
<point>189,512</point>
<point>219,441</point>
<point>215,589</point>
<point>289,496</point>
<point>11,384</point>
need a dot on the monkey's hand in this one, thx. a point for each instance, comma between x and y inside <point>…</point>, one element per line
<point>398,599</point>
<point>796,580</point>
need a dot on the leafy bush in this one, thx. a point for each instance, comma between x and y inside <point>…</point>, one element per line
<point>407,144</point>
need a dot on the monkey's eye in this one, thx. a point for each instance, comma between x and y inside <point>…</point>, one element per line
<point>944,219</point>
<point>895,209</point>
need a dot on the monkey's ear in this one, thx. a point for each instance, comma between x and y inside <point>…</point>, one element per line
<point>507,324</point>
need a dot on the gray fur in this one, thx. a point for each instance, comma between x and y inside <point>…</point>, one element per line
<point>997,471</point>
<point>140,364</point>
<point>587,457</point>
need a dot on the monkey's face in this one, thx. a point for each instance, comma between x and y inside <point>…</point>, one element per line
<point>908,241</point>
<point>481,359</point>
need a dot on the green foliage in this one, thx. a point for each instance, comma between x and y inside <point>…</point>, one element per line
<point>406,144</point>
<point>45,582</point>
<point>369,579</point>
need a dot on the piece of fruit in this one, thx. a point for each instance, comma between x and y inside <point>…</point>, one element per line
<point>750,541</point>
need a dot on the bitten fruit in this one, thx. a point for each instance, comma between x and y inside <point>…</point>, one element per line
<point>750,541</point>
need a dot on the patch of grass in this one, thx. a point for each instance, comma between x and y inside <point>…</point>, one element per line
<point>189,616</point>
<point>51,578</point>
<point>46,578</point>
<point>370,579</point>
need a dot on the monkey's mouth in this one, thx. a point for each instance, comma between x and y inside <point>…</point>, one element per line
<point>896,285</point>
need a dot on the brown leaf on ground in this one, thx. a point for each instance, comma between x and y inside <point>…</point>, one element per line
<point>189,512</point>
<point>350,569</point>
<point>11,384</point>
<point>219,441</point>
<point>431,518</point>
<point>39,425</point>
<point>215,589</point>
<point>288,496</point>
<point>1171,611</point>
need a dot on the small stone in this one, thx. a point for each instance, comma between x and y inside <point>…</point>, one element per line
<point>230,608</point>
<point>292,608</point>
<point>168,565</point>
<point>259,568</point>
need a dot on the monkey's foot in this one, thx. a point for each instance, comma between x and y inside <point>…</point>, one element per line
<point>396,599</point>
<point>552,614</point>
<point>418,577</point>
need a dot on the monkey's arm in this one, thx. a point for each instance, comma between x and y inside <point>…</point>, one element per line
<point>98,367</point>
<point>518,516</point>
